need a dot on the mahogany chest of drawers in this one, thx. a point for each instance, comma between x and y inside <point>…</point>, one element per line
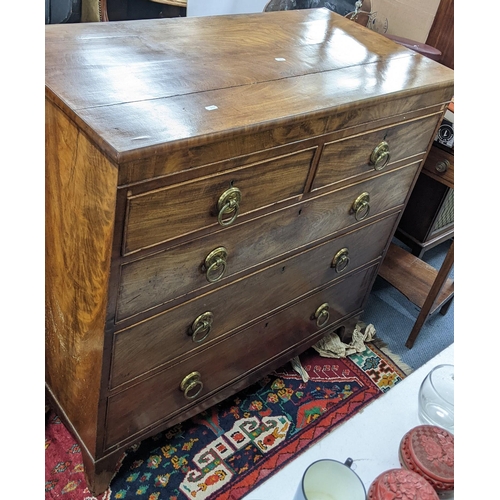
<point>220,192</point>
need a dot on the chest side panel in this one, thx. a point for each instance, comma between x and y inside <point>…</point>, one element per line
<point>80,208</point>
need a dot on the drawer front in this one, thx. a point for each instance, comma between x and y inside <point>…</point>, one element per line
<point>157,398</point>
<point>155,280</point>
<point>351,157</point>
<point>168,335</point>
<point>440,165</point>
<point>165,214</point>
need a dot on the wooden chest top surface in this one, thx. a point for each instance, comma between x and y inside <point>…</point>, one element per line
<point>135,85</point>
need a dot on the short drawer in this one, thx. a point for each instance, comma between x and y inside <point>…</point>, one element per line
<point>440,165</point>
<point>155,399</point>
<point>167,213</point>
<point>157,279</point>
<point>372,152</point>
<point>195,324</point>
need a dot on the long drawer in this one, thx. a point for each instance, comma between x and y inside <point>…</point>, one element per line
<point>155,280</point>
<point>348,158</point>
<point>160,396</point>
<point>200,321</point>
<point>167,213</point>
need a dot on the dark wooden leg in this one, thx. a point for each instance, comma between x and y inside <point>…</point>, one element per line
<point>99,473</point>
<point>431,297</point>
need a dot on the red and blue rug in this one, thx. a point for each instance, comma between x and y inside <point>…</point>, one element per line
<point>230,449</point>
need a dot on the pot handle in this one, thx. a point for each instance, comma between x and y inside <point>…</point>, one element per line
<point>348,462</point>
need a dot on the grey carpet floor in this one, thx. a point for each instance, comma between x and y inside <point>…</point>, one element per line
<point>393,317</point>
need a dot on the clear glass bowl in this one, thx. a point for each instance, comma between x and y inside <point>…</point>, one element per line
<point>436,398</point>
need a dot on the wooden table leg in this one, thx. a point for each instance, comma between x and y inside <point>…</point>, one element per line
<point>431,297</point>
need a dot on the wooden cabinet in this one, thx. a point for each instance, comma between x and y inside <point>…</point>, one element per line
<point>428,219</point>
<point>214,206</point>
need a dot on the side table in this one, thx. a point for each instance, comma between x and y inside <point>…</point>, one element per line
<point>422,227</point>
<point>428,219</point>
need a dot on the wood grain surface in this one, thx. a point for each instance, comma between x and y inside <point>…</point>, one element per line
<point>148,122</point>
<point>137,407</point>
<point>155,280</point>
<point>151,343</point>
<point>130,88</point>
<point>80,207</point>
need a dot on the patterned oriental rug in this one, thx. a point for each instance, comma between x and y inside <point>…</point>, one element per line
<point>228,450</point>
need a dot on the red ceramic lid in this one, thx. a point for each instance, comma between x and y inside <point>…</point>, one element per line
<point>429,451</point>
<point>396,484</point>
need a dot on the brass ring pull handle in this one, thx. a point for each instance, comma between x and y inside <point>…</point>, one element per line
<point>215,264</point>
<point>341,260</point>
<point>442,166</point>
<point>380,156</point>
<point>191,385</point>
<point>228,203</point>
<point>200,329</point>
<point>361,206</point>
<point>322,315</point>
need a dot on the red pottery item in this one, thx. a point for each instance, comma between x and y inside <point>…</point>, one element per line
<point>396,484</point>
<point>428,450</point>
